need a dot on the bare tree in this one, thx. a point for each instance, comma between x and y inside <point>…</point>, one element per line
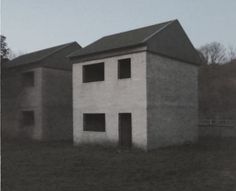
<point>13,54</point>
<point>7,53</point>
<point>231,53</point>
<point>213,53</point>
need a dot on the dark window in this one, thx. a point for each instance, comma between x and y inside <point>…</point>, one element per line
<point>124,68</point>
<point>94,122</point>
<point>93,72</point>
<point>28,79</point>
<point>27,118</point>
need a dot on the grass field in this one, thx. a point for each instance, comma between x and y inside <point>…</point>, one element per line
<point>208,165</point>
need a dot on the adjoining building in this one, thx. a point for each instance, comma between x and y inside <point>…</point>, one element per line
<point>138,88</point>
<point>37,95</point>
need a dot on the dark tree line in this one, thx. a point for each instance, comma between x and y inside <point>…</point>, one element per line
<point>217,88</point>
<point>5,50</point>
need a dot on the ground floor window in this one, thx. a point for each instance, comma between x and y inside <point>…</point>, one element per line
<point>94,122</point>
<point>27,118</point>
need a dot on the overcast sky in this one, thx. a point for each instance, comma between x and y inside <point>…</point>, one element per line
<point>30,25</point>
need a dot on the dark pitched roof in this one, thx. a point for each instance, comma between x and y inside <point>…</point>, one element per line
<point>167,39</point>
<point>38,56</point>
<point>120,40</point>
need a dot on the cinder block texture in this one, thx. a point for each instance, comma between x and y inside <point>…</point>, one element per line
<point>16,98</point>
<point>172,101</point>
<point>111,96</point>
<point>57,104</point>
<point>50,99</point>
<point>162,95</point>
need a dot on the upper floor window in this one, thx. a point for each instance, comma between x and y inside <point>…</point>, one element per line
<point>28,79</point>
<point>124,68</point>
<point>93,72</point>
<point>27,118</point>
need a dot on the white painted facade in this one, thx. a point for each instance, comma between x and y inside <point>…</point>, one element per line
<point>112,96</point>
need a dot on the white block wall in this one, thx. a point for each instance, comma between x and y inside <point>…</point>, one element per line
<point>111,96</point>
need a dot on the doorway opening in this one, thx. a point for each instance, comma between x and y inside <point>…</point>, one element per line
<point>125,129</point>
<point>27,124</point>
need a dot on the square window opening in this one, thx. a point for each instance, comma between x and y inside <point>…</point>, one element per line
<point>93,72</point>
<point>124,68</point>
<point>94,122</point>
<point>28,118</point>
<point>28,79</point>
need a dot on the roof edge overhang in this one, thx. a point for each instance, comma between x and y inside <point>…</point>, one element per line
<point>141,47</point>
<point>32,64</point>
<point>40,60</point>
<point>174,58</point>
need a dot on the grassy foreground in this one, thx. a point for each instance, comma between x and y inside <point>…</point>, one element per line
<point>208,165</point>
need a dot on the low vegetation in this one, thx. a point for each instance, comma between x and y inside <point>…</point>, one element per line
<point>208,165</point>
<point>217,90</point>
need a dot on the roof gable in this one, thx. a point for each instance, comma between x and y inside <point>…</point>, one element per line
<point>120,40</point>
<point>173,42</point>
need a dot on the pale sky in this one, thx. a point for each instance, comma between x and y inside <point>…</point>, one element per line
<point>31,25</point>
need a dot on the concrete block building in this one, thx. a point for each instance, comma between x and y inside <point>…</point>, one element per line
<point>137,88</point>
<point>37,95</point>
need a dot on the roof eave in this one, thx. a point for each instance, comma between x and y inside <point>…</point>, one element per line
<point>109,53</point>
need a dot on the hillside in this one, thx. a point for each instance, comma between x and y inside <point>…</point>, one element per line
<point>217,90</point>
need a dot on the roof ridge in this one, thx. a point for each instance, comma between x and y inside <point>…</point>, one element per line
<point>63,45</point>
<point>135,29</point>
<point>159,30</point>
<point>38,56</point>
<point>58,49</point>
<point>123,33</point>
